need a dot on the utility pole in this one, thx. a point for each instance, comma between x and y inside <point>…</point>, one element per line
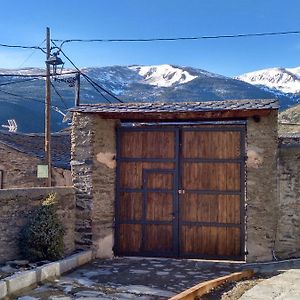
<point>47,108</point>
<point>77,89</point>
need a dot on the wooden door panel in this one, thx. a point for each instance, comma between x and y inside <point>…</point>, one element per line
<point>210,241</point>
<point>211,176</point>
<point>156,180</point>
<point>210,204</point>
<point>158,238</point>
<point>211,144</point>
<point>148,144</point>
<point>130,207</point>
<point>131,173</point>
<point>146,191</point>
<point>159,206</point>
<point>210,208</point>
<point>130,238</point>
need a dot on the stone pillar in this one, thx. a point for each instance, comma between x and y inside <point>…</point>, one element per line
<point>93,172</point>
<point>261,187</point>
<point>104,185</point>
<point>82,169</point>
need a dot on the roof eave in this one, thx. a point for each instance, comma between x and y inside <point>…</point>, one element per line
<point>185,115</point>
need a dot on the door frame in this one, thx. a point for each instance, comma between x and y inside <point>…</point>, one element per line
<point>239,126</point>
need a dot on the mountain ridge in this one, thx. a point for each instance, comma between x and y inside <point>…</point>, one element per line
<point>135,83</point>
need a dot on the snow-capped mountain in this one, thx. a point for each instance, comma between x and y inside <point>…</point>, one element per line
<point>285,81</point>
<point>163,83</point>
<point>163,75</point>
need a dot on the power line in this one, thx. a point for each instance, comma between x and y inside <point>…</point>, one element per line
<point>84,75</point>
<point>94,84</point>
<point>15,82</point>
<point>36,75</point>
<point>30,55</point>
<point>25,98</point>
<point>172,39</point>
<point>23,47</point>
<point>59,95</point>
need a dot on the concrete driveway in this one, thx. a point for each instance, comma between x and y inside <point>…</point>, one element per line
<point>131,278</point>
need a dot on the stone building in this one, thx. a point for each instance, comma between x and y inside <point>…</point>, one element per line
<point>194,179</point>
<point>21,153</point>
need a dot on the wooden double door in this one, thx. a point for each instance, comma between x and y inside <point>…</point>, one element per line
<point>180,191</point>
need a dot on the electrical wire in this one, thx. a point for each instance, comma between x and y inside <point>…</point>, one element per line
<point>25,98</point>
<point>36,75</point>
<point>95,85</point>
<point>30,55</point>
<point>84,75</point>
<point>15,82</point>
<point>23,47</point>
<point>59,95</point>
<point>172,39</point>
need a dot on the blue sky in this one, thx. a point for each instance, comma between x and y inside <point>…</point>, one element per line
<point>24,22</point>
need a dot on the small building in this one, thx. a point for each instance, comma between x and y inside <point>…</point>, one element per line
<point>195,180</point>
<point>20,154</point>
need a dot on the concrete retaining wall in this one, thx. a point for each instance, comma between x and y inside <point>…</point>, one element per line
<point>16,208</point>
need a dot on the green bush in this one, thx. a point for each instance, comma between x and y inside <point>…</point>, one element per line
<point>42,237</point>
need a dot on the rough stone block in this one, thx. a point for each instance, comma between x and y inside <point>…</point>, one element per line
<point>48,271</point>
<point>3,289</point>
<point>20,281</point>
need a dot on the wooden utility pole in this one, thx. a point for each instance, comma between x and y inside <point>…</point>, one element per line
<point>77,89</point>
<point>47,109</point>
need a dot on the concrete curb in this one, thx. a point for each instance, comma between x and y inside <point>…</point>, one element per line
<point>266,267</point>
<point>19,281</point>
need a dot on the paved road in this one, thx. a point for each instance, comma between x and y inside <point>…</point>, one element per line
<point>131,278</point>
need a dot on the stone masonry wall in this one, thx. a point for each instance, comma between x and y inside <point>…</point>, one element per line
<point>261,187</point>
<point>16,208</point>
<point>288,228</point>
<point>20,170</point>
<point>104,183</point>
<point>93,173</point>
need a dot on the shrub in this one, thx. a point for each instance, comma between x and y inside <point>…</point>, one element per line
<point>42,237</point>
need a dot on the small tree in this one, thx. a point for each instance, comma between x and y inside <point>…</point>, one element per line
<point>42,237</point>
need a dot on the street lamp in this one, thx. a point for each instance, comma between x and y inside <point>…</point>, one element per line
<point>55,61</point>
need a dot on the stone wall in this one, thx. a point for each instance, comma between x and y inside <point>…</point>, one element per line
<point>93,172</point>
<point>20,170</point>
<point>16,208</point>
<point>288,228</point>
<point>261,187</point>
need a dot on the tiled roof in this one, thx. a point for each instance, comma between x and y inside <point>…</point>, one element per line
<point>158,107</point>
<point>33,144</point>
